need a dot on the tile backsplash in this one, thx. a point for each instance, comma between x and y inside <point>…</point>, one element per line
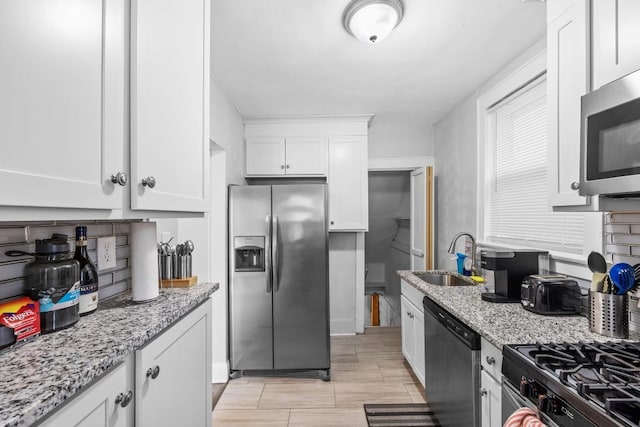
<point>622,244</point>
<point>23,236</point>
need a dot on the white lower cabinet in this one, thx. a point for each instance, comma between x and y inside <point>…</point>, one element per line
<point>173,374</point>
<point>491,385</point>
<point>107,403</point>
<point>490,400</point>
<point>165,383</point>
<point>413,328</point>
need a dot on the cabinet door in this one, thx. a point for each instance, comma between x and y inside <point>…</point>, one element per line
<point>408,335</point>
<point>348,184</point>
<point>264,156</point>
<point>97,406</point>
<point>173,374</point>
<point>490,401</point>
<point>169,104</point>
<point>616,39</point>
<point>62,106</point>
<point>418,331</point>
<point>306,156</point>
<point>567,81</point>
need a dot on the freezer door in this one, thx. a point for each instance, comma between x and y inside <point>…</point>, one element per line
<point>250,302</point>
<point>300,287</point>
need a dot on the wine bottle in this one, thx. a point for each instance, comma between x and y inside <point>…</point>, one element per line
<point>88,274</point>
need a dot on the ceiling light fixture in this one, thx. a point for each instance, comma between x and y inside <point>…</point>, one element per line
<point>372,20</point>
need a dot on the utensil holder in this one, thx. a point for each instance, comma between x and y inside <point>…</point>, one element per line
<point>165,264</point>
<point>609,314</point>
<point>183,264</point>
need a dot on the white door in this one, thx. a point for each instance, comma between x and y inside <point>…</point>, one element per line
<point>62,103</point>
<point>421,196</point>
<point>169,104</point>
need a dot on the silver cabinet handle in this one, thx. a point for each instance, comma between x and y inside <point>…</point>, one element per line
<point>153,372</point>
<point>119,178</point>
<point>483,392</point>
<point>124,399</point>
<point>575,185</point>
<point>149,182</point>
<point>491,360</point>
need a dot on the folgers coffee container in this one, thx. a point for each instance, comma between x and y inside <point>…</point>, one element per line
<point>53,279</point>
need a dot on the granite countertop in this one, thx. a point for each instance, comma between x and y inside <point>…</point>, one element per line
<point>508,323</point>
<point>41,374</point>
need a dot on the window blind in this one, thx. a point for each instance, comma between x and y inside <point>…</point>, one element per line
<point>518,211</point>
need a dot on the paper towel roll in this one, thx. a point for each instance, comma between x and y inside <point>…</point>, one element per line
<point>144,260</point>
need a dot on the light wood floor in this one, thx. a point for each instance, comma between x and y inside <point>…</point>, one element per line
<point>366,368</point>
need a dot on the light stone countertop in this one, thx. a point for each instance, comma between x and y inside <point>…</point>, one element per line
<point>40,375</point>
<point>501,323</point>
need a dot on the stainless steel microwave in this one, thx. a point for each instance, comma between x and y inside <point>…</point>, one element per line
<point>610,139</point>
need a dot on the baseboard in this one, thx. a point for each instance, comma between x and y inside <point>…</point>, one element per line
<point>219,372</point>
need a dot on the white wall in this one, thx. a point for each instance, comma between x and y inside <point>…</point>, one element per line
<point>396,135</point>
<point>456,165</point>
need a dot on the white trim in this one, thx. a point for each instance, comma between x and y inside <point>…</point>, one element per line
<point>399,163</point>
<point>360,272</point>
<point>219,373</point>
<point>346,118</point>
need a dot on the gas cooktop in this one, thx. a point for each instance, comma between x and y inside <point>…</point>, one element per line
<point>568,381</point>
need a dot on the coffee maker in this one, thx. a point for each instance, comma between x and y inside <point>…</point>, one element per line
<point>506,269</point>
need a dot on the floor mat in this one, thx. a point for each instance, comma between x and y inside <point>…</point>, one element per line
<point>400,415</point>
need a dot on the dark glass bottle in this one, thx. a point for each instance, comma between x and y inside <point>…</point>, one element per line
<point>88,274</point>
<point>53,280</point>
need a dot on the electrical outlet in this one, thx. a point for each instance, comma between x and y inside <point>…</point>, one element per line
<point>106,253</point>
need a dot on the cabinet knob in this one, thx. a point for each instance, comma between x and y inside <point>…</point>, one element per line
<point>575,185</point>
<point>119,178</point>
<point>281,166</point>
<point>331,223</point>
<point>124,399</point>
<point>288,166</point>
<point>483,392</point>
<point>149,182</point>
<point>153,372</point>
<point>491,360</point>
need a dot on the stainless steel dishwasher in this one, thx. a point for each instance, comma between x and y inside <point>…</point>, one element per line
<point>452,367</point>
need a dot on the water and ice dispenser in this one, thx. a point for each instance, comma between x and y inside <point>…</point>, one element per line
<point>249,253</point>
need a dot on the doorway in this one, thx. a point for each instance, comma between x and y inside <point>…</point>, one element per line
<point>387,245</point>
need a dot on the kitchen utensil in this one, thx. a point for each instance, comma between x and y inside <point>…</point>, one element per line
<point>597,263</point>
<point>606,284</point>
<point>597,281</point>
<point>188,247</point>
<point>623,277</point>
<point>608,314</point>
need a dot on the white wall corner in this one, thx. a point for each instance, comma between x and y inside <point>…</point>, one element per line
<point>219,372</point>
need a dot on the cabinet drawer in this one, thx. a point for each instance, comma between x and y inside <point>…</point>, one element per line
<point>412,294</point>
<point>491,359</point>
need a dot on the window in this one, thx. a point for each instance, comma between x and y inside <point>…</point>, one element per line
<point>518,211</point>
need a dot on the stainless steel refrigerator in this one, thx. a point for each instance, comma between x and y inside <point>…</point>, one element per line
<point>278,279</point>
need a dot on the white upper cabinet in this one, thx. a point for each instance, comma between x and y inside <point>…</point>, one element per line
<point>348,184</point>
<point>316,147</point>
<point>62,119</point>
<point>169,104</point>
<point>615,40</point>
<point>291,156</point>
<point>567,80</point>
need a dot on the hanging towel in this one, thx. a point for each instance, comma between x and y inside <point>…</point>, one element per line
<point>524,417</point>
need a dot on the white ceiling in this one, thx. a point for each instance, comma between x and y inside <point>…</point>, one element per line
<point>293,57</point>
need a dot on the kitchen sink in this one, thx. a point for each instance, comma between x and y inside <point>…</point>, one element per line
<point>443,278</point>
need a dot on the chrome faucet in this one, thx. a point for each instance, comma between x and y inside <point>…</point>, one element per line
<point>452,249</point>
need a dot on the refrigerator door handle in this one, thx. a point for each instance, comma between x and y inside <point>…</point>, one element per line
<point>276,261</point>
<point>267,254</point>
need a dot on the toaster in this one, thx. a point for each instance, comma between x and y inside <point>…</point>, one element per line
<point>550,295</point>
